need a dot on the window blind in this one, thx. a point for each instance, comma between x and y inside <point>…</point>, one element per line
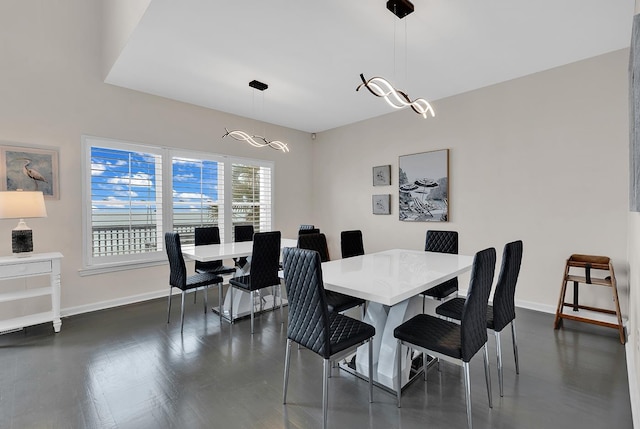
<point>126,202</point>
<point>198,193</point>
<point>251,196</point>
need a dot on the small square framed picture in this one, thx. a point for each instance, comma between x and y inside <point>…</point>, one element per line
<point>381,204</point>
<point>382,175</point>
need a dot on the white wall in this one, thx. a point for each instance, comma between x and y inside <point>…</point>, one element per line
<point>543,158</point>
<point>51,92</point>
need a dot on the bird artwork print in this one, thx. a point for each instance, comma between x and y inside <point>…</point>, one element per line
<point>32,173</point>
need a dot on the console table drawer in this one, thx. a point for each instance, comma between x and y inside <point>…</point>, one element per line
<point>28,269</point>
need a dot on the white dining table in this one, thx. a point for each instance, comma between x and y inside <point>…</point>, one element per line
<point>391,282</point>
<point>217,252</point>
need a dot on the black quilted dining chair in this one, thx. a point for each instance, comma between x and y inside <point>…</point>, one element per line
<point>178,275</point>
<point>330,335</point>
<point>210,235</point>
<point>242,233</point>
<point>204,236</point>
<point>351,243</point>
<point>503,310</point>
<point>451,341</point>
<point>308,229</point>
<point>265,259</point>
<point>336,301</point>
<point>441,242</point>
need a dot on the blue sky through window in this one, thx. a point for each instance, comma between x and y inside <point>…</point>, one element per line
<point>127,181</point>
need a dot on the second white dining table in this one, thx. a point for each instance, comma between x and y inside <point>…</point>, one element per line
<point>216,252</point>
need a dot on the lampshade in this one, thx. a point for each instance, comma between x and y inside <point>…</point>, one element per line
<point>22,204</point>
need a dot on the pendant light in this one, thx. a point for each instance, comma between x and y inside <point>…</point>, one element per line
<point>381,87</point>
<point>255,140</point>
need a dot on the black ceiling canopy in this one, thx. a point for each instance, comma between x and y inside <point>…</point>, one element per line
<point>258,85</point>
<point>400,8</point>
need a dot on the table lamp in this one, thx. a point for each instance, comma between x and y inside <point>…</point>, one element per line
<point>20,205</point>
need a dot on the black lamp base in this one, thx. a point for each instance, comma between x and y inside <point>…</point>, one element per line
<point>21,241</point>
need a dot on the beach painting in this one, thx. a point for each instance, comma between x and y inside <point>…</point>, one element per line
<point>423,180</point>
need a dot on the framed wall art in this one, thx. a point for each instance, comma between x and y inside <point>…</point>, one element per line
<point>381,204</point>
<point>29,169</point>
<point>423,180</point>
<point>382,175</point>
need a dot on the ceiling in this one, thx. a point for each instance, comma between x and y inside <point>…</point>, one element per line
<point>311,53</point>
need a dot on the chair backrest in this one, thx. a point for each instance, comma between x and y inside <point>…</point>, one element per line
<point>351,243</point>
<point>308,322</point>
<point>204,236</point>
<point>473,323</point>
<point>317,242</point>
<point>242,233</point>
<point>308,231</point>
<point>504,310</point>
<point>265,260</point>
<point>178,274</point>
<point>443,242</point>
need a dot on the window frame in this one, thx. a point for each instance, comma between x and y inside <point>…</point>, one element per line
<point>96,265</point>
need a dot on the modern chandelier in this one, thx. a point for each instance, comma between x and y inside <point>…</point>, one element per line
<point>255,140</point>
<point>397,99</point>
<point>381,87</point>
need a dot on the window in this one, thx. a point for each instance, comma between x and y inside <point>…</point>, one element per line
<point>198,195</point>
<point>251,196</point>
<point>134,193</point>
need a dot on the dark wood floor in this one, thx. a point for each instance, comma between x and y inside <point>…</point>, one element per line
<point>126,368</point>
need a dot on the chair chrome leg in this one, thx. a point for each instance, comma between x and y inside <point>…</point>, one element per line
<point>273,296</point>
<point>467,392</point>
<point>325,391</point>
<point>230,291</point>
<point>280,297</point>
<point>195,291</point>
<point>515,345</point>
<point>424,366</point>
<point>169,306</point>
<point>206,298</point>
<point>370,370</point>
<point>252,305</point>
<point>399,374</point>
<point>499,357</point>
<point>220,302</point>
<point>182,312</point>
<point>287,359</point>
<point>487,373</point>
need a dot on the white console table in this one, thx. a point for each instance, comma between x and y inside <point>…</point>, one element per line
<point>37,264</point>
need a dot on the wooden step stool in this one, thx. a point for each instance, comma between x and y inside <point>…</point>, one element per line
<point>589,262</point>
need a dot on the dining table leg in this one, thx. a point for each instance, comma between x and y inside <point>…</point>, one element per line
<point>387,361</point>
<point>375,316</point>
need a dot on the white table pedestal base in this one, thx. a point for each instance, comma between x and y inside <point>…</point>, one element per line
<point>385,319</point>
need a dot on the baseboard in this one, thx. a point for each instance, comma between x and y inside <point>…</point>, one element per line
<point>103,305</point>
<point>543,308</point>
